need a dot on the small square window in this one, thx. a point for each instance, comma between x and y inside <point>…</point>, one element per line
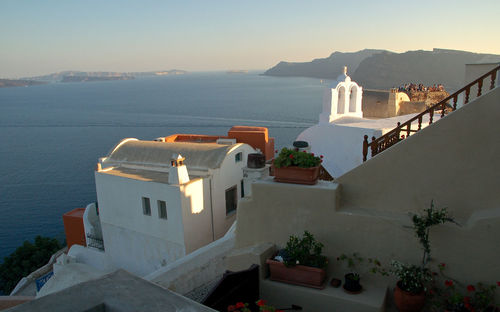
<point>231,200</point>
<point>238,157</point>
<point>162,209</point>
<point>146,206</point>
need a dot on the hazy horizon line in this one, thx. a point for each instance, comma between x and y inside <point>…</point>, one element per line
<point>229,68</point>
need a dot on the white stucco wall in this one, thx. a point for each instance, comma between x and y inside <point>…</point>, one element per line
<point>341,146</point>
<point>196,214</point>
<point>198,268</point>
<point>229,174</point>
<point>136,242</point>
<point>91,222</point>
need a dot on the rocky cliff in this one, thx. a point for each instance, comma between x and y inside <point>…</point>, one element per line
<point>380,69</point>
<point>323,68</point>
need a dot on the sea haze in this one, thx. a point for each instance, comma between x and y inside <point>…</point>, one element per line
<point>52,135</point>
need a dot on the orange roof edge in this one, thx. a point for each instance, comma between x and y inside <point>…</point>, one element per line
<point>77,212</point>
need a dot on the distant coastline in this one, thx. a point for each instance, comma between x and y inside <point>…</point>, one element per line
<point>5,83</point>
<point>94,78</point>
<point>80,76</point>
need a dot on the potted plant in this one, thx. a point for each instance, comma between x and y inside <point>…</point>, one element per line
<point>410,290</point>
<point>293,166</point>
<point>414,280</point>
<point>301,262</point>
<point>352,279</point>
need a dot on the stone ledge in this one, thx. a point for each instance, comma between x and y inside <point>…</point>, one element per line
<point>243,258</point>
<point>12,301</point>
<point>281,295</point>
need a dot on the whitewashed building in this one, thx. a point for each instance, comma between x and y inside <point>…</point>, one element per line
<point>159,201</point>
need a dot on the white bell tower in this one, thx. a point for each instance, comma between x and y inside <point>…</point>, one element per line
<point>342,100</point>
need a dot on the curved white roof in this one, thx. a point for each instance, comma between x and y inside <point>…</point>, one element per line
<point>198,155</point>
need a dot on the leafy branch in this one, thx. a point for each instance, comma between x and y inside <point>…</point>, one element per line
<point>423,223</point>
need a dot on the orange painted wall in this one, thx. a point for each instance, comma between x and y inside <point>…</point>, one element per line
<point>73,227</point>
<point>257,137</point>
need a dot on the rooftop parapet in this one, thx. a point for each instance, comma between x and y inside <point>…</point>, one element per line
<point>257,137</point>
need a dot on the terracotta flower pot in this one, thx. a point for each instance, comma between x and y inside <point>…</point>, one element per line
<point>296,175</point>
<point>297,275</point>
<point>408,302</point>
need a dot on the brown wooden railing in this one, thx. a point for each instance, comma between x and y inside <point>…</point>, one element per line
<point>392,137</point>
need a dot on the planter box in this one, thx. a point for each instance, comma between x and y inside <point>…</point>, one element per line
<point>297,275</point>
<point>296,175</point>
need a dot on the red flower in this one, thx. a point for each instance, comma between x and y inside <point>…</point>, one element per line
<point>434,273</point>
<point>276,151</point>
<point>321,156</point>
<point>448,283</point>
<point>466,299</point>
<point>261,303</point>
<point>431,292</point>
<point>321,161</point>
<point>468,306</point>
<point>471,288</point>
<point>240,305</point>
<point>442,264</point>
<point>231,308</point>
<point>498,284</point>
<point>312,154</point>
<point>305,151</point>
<point>291,156</point>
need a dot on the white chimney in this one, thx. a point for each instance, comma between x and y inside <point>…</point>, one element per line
<point>177,174</point>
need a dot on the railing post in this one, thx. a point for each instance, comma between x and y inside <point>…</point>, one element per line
<point>365,147</point>
<point>431,116</point>
<point>408,129</point>
<point>455,102</point>
<point>444,108</point>
<point>467,93</point>
<point>420,122</point>
<point>398,131</point>
<point>493,78</point>
<point>479,87</point>
<point>374,146</point>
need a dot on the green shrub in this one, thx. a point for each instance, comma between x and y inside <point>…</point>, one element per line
<point>305,251</point>
<point>26,259</point>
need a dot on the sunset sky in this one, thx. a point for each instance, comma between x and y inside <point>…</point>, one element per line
<point>40,37</point>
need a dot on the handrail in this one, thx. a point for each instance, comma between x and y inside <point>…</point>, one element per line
<point>392,137</point>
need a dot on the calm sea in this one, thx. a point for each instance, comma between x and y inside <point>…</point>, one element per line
<point>52,135</point>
